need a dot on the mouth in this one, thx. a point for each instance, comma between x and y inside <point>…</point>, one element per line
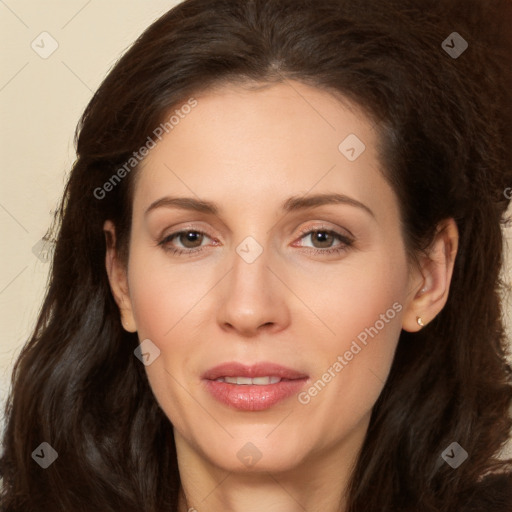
<point>252,388</point>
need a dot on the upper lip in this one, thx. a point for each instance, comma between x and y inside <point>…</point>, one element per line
<point>263,369</point>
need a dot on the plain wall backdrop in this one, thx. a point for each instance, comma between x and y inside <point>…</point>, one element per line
<point>54,56</point>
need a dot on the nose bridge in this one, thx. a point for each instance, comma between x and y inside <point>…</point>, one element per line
<point>250,298</point>
<point>250,275</point>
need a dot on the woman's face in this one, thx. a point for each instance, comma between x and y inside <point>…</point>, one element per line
<point>290,254</point>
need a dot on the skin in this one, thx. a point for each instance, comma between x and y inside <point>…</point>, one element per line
<point>248,151</point>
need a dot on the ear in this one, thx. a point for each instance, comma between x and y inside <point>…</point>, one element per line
<point>430,283</point>
<point>117,276</point>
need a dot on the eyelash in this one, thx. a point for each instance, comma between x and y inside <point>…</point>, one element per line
<point>344,245</point>
<point>177,251</point>
<point>345,242</point>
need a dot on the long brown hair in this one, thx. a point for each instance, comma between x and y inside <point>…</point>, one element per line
<point>443,122</point>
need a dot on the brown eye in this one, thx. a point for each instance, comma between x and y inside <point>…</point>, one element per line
<point>190,239</point>
<point>325,241</point>
<point>322,239</point>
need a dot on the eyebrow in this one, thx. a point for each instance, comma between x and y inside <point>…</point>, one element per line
<point>184,203</point>
<point>292,204</point>
<point>303,202</point>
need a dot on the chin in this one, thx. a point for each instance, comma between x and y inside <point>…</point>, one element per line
<point>253,454</point>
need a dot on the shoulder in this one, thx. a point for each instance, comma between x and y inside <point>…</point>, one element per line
<point>492,494</point>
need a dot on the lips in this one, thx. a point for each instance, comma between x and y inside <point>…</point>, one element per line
<point>252,388</point>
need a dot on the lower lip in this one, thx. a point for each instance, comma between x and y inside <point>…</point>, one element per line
<point>251,397</point>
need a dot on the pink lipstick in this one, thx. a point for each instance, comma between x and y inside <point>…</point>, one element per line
<point>252,388</point>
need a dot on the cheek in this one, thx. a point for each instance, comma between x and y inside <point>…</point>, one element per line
<point>349,381</point>
<point>167,309</point>
<point>355,295</point>
<point>363,307</point>
<point>163,296</point>
<point>169,306</point>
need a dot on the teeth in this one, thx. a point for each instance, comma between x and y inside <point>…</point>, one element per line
<point>243,380</point>
<point>259,381</point>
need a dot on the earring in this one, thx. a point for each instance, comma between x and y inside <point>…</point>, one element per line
<point>420,321</point>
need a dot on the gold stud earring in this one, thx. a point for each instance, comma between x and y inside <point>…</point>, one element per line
<point>420,321</point>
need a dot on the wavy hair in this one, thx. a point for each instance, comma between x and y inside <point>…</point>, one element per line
<point>445,143</point>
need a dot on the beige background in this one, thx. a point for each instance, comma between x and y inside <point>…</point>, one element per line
<point>41,100</point>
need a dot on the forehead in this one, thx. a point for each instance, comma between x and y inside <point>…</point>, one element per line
<point>240,145</point>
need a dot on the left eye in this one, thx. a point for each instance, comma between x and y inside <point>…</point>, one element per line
<point>324,239</point>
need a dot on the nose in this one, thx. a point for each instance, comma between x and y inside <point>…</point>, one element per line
<point>252,300</point>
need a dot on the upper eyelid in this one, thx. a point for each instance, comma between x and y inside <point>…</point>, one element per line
<point>343,239</point>
<point>226,230</point>
<point>337,231</point>
<point>175,234</point>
